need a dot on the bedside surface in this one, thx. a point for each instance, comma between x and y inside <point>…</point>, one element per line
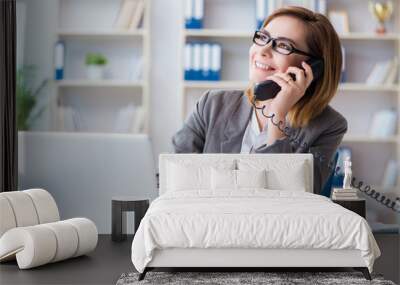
<point>129,198</point>
<point>356,205</point>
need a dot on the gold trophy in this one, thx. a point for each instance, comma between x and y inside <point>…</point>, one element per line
<point>382,10</point>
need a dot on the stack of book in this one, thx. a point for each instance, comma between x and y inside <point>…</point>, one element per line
<point>390,175</point>
<point>384,123</point>
<point>73,120</point>
<point>384,72</point>
<point>130,15</point>
<point>266,7</point>
<point>344,194</point>
<point>130,119</point>
<point>203,61</point>
<point>343,76</point>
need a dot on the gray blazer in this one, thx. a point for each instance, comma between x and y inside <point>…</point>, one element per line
<point>220,118</point>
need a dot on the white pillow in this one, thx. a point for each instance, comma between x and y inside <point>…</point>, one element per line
<point>185,175</point>
<point>182,178</point>
<point>237,179</point>
<point>294,179</point>
<point>281,174</point>
<point>223,179</point>
<point>251,178</point>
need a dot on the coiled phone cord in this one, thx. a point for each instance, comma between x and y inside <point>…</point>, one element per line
<point>368,190</point>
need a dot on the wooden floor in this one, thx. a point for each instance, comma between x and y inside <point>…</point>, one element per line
<point>111,259</point>
<point>103,266</point>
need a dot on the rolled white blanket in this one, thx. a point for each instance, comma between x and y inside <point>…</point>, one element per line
<point>40,244</point>
<point>26,208</point>
<point>7,216</point>
<point>45,206</point>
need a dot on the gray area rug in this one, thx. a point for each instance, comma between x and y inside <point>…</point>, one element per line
<point>229,278</point>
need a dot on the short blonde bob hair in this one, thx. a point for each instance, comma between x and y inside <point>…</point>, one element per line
<point>322,41</point>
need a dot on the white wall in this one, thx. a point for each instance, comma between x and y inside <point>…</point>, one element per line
<point>84,171</point>
<point>165,103</point>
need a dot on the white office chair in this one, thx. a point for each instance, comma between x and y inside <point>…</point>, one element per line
<point>31,230</point>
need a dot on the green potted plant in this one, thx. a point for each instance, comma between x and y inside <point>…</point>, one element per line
<point>26,97</point>
<point>95,65</point>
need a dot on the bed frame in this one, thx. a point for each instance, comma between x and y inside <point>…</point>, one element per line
<point>249,259</point>
<point>242,259</point>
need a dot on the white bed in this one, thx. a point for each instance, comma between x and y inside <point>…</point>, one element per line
<point>201,220</point>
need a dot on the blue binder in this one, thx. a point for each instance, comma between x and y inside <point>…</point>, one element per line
<point>59,54</point>
<point>206,61</point>
<point>194,14</point>
<point>216,62</point>
<point>196,74</point>
<point>188,61</point>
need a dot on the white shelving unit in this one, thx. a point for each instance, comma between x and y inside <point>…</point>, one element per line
<point>355,100</point>
<point>83,31</point>
<point>369,139</point>
<point>237,84</point>
<point>219,33</point>
<point>102,34</point>
<point>99,83</point>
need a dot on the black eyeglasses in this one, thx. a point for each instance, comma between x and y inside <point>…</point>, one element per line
<point>282,46</point>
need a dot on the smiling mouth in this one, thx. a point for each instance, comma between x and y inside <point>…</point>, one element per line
<point>262,66</point>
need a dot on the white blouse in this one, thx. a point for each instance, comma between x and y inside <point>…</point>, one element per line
<point>253,136</point>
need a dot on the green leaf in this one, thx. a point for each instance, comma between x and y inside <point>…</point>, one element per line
<point>95,59</point>
<point>26,99</point>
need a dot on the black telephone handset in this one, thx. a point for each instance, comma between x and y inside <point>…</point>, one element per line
<point>269,89</point>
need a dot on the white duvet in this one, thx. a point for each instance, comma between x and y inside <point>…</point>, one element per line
<point>251,218</point>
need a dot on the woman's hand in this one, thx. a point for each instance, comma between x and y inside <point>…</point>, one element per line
<point>291,91</point>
